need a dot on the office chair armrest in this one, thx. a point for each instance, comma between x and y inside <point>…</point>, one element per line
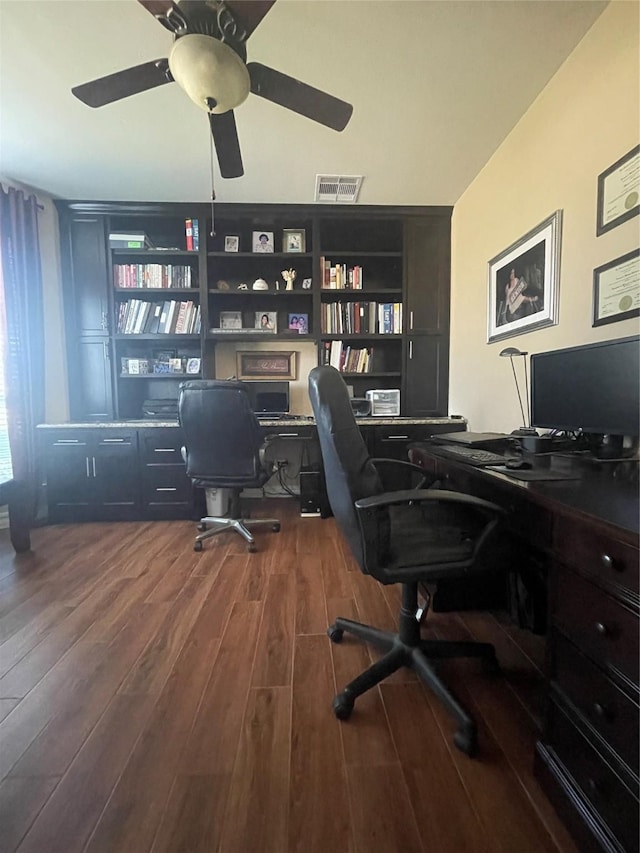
<point>407,496</point>
<point>407,466</point>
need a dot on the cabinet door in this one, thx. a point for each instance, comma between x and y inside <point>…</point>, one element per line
<point>86,285</point>
<point>428,271</point>
<point>67,462</point>
<point>115,471</point>
<point>426,376</point>
<point>90,389</point>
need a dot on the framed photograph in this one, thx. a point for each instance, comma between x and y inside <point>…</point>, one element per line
<point>193,365</point>
<point>231,319</point>
<point>232,243</point>
<point>262,241</point>
<point>616,290</point>
<point>266,365</point>
<point>266,320</point>
<point>164,354</point>
<point>619,192</point>
<point>299,323</point>
<point>523,282</point>
<point>293,240</point>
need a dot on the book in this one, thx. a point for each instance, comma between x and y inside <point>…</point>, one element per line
<point>192,233</point>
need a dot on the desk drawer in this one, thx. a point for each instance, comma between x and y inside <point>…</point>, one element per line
<point>165,484</point>
<point>607,559</point>
<point>289,432</point>
<point>599,783</point>
<point>161,445</point>
<point>611,713</point>
<point>597,623</point>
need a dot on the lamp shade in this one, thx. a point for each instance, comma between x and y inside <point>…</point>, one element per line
<point>511,351</point>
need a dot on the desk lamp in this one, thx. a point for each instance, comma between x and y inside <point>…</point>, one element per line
<point>510,353</point>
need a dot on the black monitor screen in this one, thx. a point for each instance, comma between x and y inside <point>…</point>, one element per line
<point>593,388</point>
<point>269,398</point>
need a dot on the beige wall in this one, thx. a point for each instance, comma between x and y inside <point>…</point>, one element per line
<point>56,391</point>
<point>584,120</point>
<point>306,359</point>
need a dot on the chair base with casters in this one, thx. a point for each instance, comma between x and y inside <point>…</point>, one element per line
<point>406,648</point>
<point>233,521</point>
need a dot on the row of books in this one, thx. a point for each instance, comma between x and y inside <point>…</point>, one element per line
<point>152,275</point>
<point>173,317</point>
<point>339,276</point>
<point>355,318</point>
<point>347,359</point>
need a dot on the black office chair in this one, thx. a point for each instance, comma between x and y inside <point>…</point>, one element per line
<point>410,537</point>
<point>223,451</point>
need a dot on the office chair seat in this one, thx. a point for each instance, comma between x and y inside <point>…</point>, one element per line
<point>411,537</point>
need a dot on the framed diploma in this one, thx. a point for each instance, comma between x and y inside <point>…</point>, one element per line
<point>616,290</point>
<point>619,192</point>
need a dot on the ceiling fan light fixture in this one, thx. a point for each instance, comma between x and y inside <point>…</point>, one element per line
<point>209,70</point>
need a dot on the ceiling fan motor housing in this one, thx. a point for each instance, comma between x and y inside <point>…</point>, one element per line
<point>209,70</point>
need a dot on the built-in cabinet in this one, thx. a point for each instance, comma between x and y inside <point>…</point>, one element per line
<point>402,255</point>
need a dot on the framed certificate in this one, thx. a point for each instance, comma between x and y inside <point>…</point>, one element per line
<point>619,192</point>
<point>616,290</point>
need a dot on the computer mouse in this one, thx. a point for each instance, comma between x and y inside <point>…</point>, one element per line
<point>517,464</point>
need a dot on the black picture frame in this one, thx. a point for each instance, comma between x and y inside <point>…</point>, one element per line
<point>622,301</point>
<point>619,192</point>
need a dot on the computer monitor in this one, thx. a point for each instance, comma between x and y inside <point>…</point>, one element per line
<point>268,398</point>
<point>591,388</point>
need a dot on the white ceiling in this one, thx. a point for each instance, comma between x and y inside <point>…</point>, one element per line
<point>436,85</point>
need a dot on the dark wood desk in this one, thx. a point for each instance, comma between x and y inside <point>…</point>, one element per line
<point>586,532</point>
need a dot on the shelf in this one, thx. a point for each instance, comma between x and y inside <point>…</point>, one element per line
<point>160,376</point>
<point>156,291</point>
<point>156,337</point>
<point>362,336</point>
<point>155,253</point>
<point>245,293</point>
<point>267,336</point>
<point>371,291</point>
<point>330,253</point>
<point>260,255</point>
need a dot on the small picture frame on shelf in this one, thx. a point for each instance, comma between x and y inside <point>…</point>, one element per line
<point>293,240</point>
<point>231,320</point>
<point>232,243</point>
<point>175,365</point>
<point>267,321</point>
<point>262,241</point>
<point>299,323</point>
<point>259,364</point>
<point>193,365</point>
<point>306,283</point>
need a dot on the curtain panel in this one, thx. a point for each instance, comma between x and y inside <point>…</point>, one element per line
<point>24,346</point>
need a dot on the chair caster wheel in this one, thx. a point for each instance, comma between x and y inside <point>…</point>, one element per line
<point>467,741</point>
<point>197,546</point>
<point>201,526</point>
<point>491,666</point>
<point>335,634</point>
<point>251,548</point>
<point>276,528</point>
<point>342,706</point>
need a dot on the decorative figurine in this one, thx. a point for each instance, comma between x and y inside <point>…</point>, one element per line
<point>260,284</point>
<point>306,284</point>
<point>289,276</point>
<point>221,284</point>
<point>242,287</point>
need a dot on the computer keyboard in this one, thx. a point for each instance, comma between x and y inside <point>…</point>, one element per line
<point>471,455</point>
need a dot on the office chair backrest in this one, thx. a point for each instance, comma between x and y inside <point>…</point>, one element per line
<point>222,436</point>
<point>349,472</point>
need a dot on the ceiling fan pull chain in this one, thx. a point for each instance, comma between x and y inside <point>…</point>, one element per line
<point>213,192</point>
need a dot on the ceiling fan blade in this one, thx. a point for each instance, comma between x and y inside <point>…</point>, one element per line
<point>120,85</point>
<point>225,137</point>
<point>299,97</point>
<point>249,13</point>
<point>163,11</point>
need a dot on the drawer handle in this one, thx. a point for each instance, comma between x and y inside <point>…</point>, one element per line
<point>113,440</point>
<point>601,629</point>
<point>166,489</point>
<point>288,434</point>
<point>164,450</point>
<point>397,437</point>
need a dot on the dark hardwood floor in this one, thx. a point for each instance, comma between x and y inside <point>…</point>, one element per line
<point>157,699</point>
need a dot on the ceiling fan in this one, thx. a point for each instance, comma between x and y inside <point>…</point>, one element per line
<point>208,61</point>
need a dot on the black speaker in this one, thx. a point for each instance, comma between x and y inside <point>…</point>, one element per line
<point>313,494</point>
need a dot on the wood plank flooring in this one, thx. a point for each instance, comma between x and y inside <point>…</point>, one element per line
<point>155,700</point>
